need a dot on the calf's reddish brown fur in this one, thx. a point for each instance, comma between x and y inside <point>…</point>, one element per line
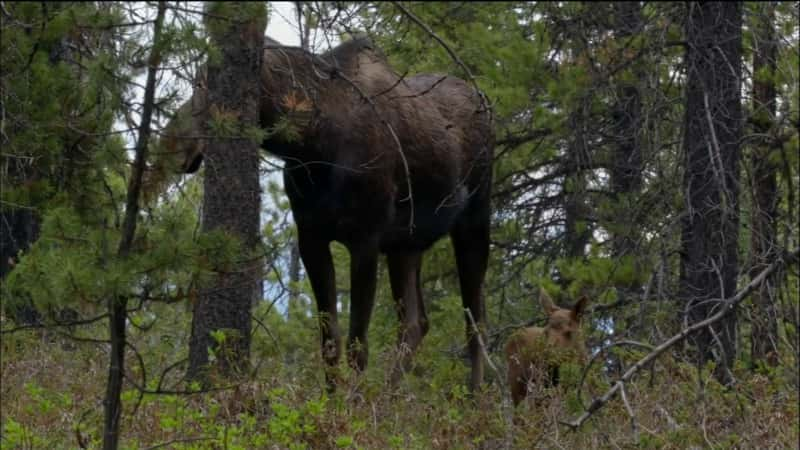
<point>534,354</point>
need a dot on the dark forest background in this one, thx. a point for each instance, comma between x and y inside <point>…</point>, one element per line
<point>647,156</point>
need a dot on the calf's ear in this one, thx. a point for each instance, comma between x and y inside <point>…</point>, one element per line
<point>580,306</point>
<point>547,302</point>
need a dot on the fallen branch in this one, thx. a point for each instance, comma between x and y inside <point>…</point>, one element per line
<point>727,307</point>
<point>600,353</point>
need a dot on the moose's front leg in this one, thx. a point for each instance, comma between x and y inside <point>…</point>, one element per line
<point>363,268</point>
<point>316,256</point>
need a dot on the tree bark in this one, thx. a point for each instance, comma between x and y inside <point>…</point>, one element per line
<point>232,194</point>
<point>626,162</point>
<point>763,239</point>
<point>709,259</point>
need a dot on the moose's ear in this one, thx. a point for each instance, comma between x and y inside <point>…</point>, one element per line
<point>547,302</point>
<point>580,306</point>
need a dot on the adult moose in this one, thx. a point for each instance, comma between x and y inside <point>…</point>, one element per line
<point>381,164</point>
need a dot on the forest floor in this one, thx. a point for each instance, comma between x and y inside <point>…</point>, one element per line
<point>52,397</point>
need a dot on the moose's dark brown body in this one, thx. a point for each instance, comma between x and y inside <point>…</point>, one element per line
<point>348,180</point>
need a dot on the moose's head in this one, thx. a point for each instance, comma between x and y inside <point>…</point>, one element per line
<point>183,140</point>
<point>296,85</point>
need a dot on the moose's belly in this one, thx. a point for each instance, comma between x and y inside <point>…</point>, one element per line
<point>432,218</point>
<point>350,212</point>
<point>392,227</point>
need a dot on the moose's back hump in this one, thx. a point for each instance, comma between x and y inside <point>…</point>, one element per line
<point>361,173</point>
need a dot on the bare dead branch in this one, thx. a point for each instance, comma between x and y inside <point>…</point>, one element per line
<point>727,307</point>
<point>70,323</point>
<point>602,352</point>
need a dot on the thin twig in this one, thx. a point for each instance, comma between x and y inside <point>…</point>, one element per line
<point>423,92</point>
<point>401,79</point>
<point>716,155</point>
<point>634,424</point>
<point>480,342</point>
<point>453,55</point>
<point>506,404</point>
<point>64,324</point>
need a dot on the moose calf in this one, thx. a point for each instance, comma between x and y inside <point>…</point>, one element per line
<point>535,351</point>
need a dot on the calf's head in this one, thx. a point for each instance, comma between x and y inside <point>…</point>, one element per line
<point>563,329</point>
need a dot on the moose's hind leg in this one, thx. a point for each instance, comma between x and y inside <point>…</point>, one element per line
<point>404,269</point>
<point>470,239</point>
<point>363,273</point>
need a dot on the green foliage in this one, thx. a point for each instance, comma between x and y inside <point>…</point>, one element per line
<point>285,129</point>
<point>223,124</point>
<point>55,106</point>
<point>16,435</point>
<point>595,274</point>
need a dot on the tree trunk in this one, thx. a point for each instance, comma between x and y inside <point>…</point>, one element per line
<point>232,194</point>
<point>626,162</point>
<point>763,243</point>
<point>627,166</point>
<point>302,16</point>
<point>709,260</point>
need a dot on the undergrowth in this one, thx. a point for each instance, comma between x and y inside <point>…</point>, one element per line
<point>52,393</point>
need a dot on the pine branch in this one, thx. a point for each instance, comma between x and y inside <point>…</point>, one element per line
<point>484,102</point>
